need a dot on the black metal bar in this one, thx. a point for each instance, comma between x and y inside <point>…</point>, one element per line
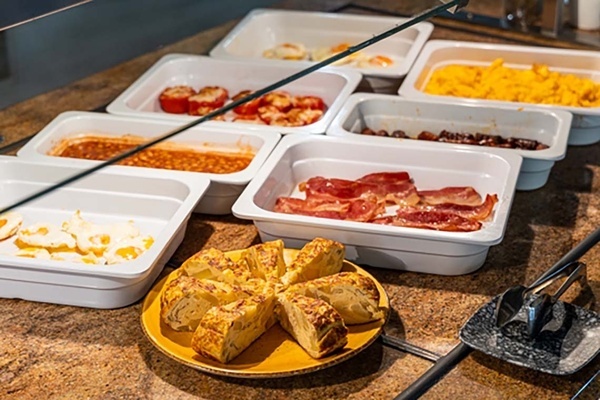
<point>435,373</point>
<point>402,345</point>
<point>351,50</point>
<point>585,386</point>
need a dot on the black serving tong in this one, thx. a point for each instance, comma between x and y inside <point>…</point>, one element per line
<point>447,362</point>
<point>539,309</point>
<point>511,301</point>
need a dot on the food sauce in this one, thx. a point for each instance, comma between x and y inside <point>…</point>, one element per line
<point>162,156</point>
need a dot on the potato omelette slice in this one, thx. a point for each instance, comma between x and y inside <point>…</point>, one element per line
<point>319,257</point>
<point>225,331</point>
<point>354,296</point>
<point>317,327</point>
<point>186,299</point>
<point>215,265</point>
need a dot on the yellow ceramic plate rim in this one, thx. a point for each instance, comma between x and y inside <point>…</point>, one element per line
<point>359,338</point>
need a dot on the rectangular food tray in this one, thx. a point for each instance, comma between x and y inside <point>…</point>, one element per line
<point>159,204</point>
<point>224,188</point>
<point>585,126</point>
<point>298,158</point>
<point>262,29</point>
<point>377,111</point>
<point>141,98</point>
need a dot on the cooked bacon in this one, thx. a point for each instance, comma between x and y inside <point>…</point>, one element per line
<point>464,195</point>
<point>385,177</point>
<point>362,210</point>
<point>403,193</point>
<point>479,212</point>
<point>436,220</point>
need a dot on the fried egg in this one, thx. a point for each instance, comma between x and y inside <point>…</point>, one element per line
<point>9,224</point>
<point>322,53</point>
<point>33,252</point>
<point>287,51</point>
<point>128,249</point>
<point>96,238</point>
<point>47,236</point>
<point>73,256</point>
<point>374,62</point>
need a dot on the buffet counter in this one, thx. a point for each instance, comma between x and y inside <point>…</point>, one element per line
<point>62,352</point>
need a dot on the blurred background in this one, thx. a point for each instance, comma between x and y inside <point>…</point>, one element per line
<point>49,52</point>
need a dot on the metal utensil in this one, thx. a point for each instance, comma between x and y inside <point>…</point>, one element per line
<point>512,300</point>
<point>539,310</point>
<point>402,345</point>
<point>420,386</point>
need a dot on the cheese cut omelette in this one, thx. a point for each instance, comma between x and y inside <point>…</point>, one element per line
<point>315,325</point>
<point>215,265</point>
<point>225,331</point>
<point>354,296</point>
<point>265,260</point>
<point>319,257</point>
<point>186,299</point>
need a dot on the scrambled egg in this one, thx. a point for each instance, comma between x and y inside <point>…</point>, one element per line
<point>496,82</point>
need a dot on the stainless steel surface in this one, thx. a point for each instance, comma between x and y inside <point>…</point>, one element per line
<point>553,12</point>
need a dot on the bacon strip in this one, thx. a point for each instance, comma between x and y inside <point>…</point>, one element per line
<point>386,177</point>
<point>454,209</point>
<point>401,193</point>
<point>464,195</point>
<point>362,210</point>
<point>479,212</point>
<point>435,220</point>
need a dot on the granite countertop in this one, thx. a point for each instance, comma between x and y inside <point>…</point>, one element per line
<point>61,352</point>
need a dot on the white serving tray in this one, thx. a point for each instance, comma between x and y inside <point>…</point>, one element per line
<point>141,98</point>
<point>262,29</point>
<point>158,203</point>
<point>224,188</point>
<point>585,127</point>
<point>297,158</point>
<point>378,111</point>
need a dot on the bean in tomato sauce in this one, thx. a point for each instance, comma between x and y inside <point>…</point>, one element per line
<point>162,156</point>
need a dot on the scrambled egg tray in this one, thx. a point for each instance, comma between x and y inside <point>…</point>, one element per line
<point>537,85</point>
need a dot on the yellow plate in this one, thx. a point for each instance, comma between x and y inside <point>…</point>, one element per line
<point>274,354</point>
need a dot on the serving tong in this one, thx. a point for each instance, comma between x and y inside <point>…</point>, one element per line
<point>512,300</point>
<point>539,308</point>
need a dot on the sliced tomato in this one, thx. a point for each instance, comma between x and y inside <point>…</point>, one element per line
<point>311,102</point>
<point>200,110</point>
<point>249,119</point>
<point>249,108</point>
<point>269,114</point>
<point>209,96</point>
<point>303,116</point>
<point>174,99</point>
<point>280,100</point>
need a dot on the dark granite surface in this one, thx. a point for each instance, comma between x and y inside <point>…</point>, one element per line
<point>59,352</point>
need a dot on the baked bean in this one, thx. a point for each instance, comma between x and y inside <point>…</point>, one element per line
<point>163,156</point>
